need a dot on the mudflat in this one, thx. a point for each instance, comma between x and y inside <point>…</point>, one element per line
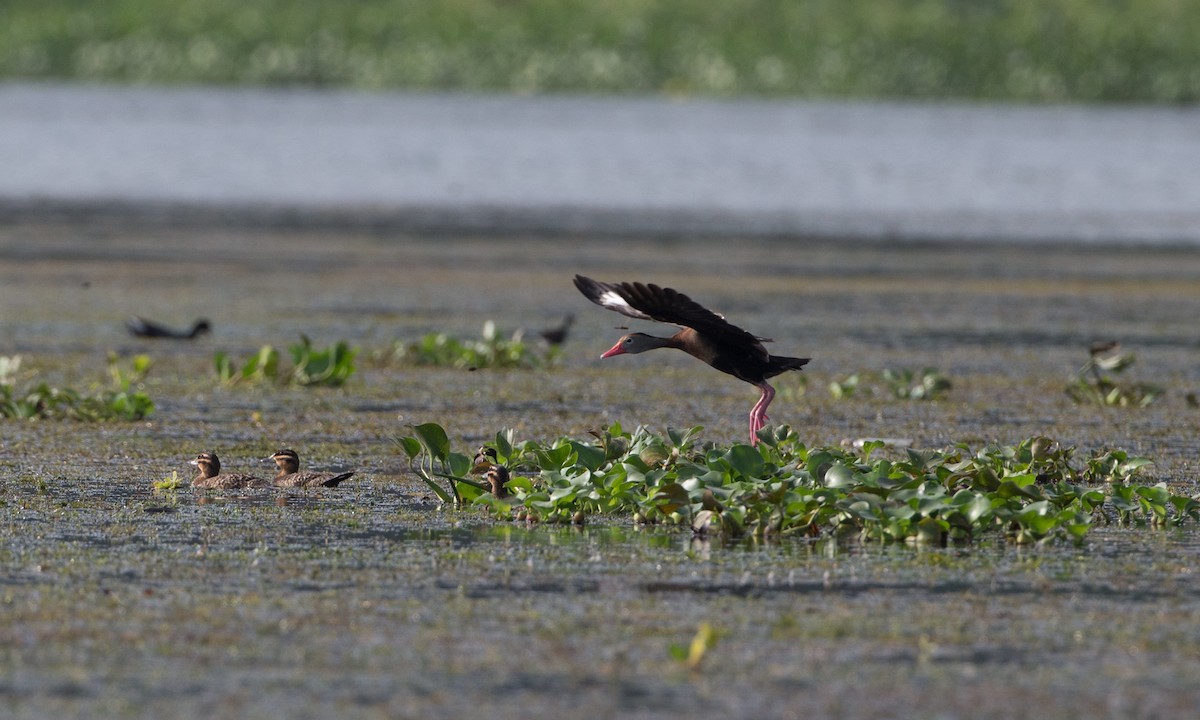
<point>372,601</point>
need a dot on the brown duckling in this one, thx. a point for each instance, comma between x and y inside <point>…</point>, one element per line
<point>289,475</point>
<point>210,476</point>
<point>497,476</point>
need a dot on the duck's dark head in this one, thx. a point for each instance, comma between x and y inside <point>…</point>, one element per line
<point>208,463</point>
<point>200,327</point>
<point>634,343</point>
<point>287,461</point>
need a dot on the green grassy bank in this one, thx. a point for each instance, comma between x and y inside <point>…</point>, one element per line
<point>1018,50</point>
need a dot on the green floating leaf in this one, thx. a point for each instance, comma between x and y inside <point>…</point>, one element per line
<point>746,460</point>
<point>671,497</point>
<point>840,476</point>
<point>410,445</point>
<point>458,464</point>
<point>589,456</point>
<point>433,439</point>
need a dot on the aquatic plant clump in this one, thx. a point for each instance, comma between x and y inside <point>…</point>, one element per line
<point>121,401</point>
<point>491,350</point>
<point>311,366</point>
<point>902,384</point>
<point>1031,492</point>
<point>1094,382</point>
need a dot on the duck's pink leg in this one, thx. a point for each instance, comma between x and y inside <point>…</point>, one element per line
<point>758,414</point>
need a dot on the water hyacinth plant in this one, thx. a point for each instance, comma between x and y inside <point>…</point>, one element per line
<point>491,350</point>
<point>329,367</point>
<point>1031,492</point>
<point>122,400</point>
<point>430,459</point>
<point>1094,382</point>
<point>929,384</point>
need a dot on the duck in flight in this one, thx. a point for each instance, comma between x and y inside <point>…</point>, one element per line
<point>703,334</point>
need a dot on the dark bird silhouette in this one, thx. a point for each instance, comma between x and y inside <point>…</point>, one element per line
<point>703,334</point>
<point>558,335</point>
<point>289,475</point>
<point>210,476</point>
<point>143,328</point>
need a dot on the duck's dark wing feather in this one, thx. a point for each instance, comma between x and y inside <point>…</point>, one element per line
<point>651,302</point>
<point>141,327</point>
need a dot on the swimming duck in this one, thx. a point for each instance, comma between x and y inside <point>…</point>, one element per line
<point>704,335</point>
<point>210,476</point>
<point>143,328</point>
<point>289,475</point>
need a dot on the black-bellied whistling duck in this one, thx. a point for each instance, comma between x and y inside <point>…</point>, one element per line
<point>143,328</point>
<point>288,462</point>
<point>211,478</point>
<point>704,335</point>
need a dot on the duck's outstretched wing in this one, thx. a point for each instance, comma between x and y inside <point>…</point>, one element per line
<point>651,302</point>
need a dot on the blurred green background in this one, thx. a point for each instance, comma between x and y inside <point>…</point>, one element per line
<point>1021,50</point>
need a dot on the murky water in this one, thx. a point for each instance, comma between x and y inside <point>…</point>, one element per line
<point>371,601</point>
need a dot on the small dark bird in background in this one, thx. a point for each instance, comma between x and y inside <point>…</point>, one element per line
<point>143,328</point>
<point>703,334</point>
<point>558,335</point>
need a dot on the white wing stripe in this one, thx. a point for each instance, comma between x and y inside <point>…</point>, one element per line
<point>610,299</point>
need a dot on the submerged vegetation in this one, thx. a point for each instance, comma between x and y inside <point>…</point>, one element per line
<point>121,400</point>
<point>1030,492</point>
<point>1026,50</point>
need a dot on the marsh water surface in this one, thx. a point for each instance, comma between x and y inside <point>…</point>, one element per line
<point>372,601</point>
